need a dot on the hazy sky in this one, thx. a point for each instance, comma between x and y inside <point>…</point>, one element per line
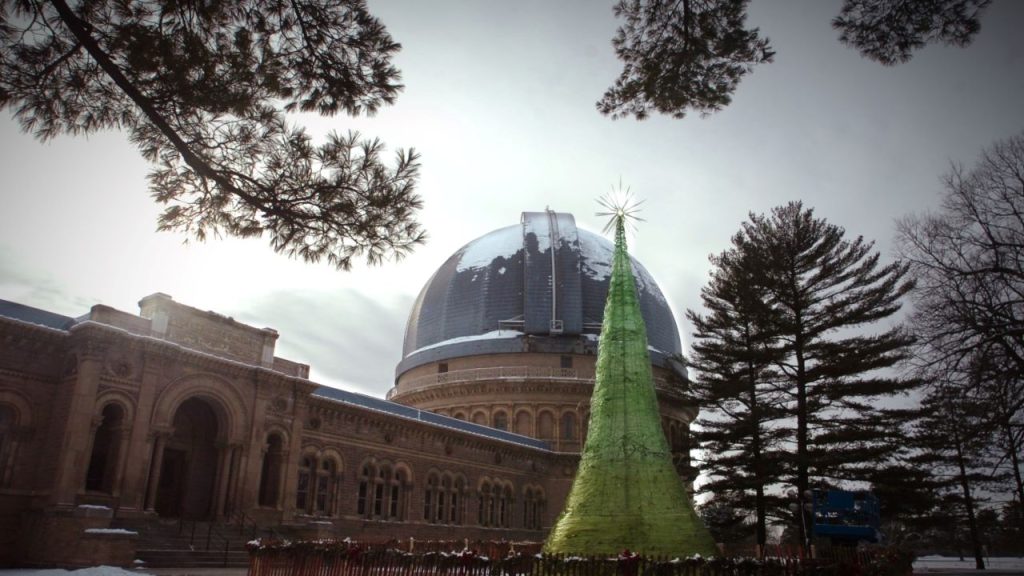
<point>499,101</point>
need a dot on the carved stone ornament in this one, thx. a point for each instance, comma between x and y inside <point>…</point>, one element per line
<point>279,404</point>
<point>314,423</point>
<point>119,367</point>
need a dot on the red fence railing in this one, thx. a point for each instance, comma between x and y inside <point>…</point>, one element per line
<point>334,558</point>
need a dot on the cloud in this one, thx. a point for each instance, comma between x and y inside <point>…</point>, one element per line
<point>350,339</point>
<point>22,283</point>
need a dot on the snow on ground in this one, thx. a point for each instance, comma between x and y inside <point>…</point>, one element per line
<point>943,563</point>
<point>93,571</point>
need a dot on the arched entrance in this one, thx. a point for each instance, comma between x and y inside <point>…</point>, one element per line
<point>106,450</point>
<point>188,474</point>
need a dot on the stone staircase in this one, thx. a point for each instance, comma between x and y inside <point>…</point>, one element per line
<point>170,543</point>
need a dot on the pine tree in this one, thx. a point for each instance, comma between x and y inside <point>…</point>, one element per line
<point>203,88</point>
<point>955,441</point>
<point>820,296</point>
<point>735,352</point>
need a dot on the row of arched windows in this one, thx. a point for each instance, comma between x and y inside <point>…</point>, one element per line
<point>568,423</point>
<point>495,504</point>
<point>383,490</point>
<point>443,498</point>
<point>316,492</point>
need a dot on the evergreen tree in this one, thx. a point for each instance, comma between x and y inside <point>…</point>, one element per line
<point>728,522</point>
<point>690,55</point>
<point>955,441</point>
<point>202,89</point>
<point>820,295</point>
<point>734,352</point>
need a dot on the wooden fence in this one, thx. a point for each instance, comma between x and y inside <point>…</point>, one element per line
<point>332,558</point>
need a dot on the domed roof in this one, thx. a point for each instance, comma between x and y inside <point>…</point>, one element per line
<point>508,292</point>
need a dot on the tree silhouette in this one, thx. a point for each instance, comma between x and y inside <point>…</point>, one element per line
<point>202,89</point>
<point>968,262</point>
<point>690,55</point>
<point>734,352</point>
<point>888,32</point>
<point>811,294</point>
<point>681,55</point>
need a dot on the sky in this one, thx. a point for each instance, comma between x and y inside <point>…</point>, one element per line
<point>499,101</point>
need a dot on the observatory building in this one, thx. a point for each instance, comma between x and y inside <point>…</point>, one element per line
<point>504,334</point>
<point>118,420</point>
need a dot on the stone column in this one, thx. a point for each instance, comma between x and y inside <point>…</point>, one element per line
<point>159,443</point>
<point>231,500</point>
<point>122,456</point>
<point>223,474</point>
<point>90,442</point>
<point>251,461</point>
<point>291,458</point>
<point>282,477</point>
<point>140,447</point>
<point>78,430</point>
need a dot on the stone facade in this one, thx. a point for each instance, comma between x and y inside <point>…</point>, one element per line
<point>177,412</point>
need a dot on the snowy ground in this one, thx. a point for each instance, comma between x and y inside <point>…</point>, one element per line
<point>936,564</point>
<point>94,571</point>
<point>111,571</point>
<point>953,563</point>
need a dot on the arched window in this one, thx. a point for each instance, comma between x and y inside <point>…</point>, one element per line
<point>270,473</point>
<point>546,425</point>
<point>480,418</point>
<point>396,500</point>
<point>8,422</point>
<point>363,497</point>
<point>442,499</point>
<point>569,426</point>
<point>302,500</point>
<point>381,483</point>
<point>527,498</point>
<point>533,499</point>
<point>484,512</point>
<point>459,415</point>
<point>326,480</point>
<point>501,420</point>
<point>456,501</point>
<point>524,423</point>
<point>429,497</point>
<point>505,507</point>
<point>106,450</point>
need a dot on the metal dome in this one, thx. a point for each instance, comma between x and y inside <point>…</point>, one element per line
<point>509,292</point>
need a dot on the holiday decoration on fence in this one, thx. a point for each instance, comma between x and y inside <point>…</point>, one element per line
<point>626,493</point>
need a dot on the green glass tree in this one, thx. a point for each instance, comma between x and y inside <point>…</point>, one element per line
<point>626,494</point>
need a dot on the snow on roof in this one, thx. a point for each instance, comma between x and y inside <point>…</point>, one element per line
<point>492,335</point>
<point>479,253</point>
<point>596,256</point>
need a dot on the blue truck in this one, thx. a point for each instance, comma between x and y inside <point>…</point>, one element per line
<point>846,516</point>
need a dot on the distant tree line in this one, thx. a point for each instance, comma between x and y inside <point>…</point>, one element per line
<point>805,380</point>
